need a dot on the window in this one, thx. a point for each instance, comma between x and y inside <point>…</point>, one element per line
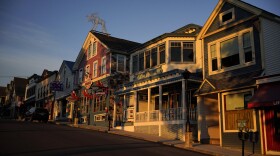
<point>141,61</point>
<point>94,49</point>
<point>134,63</point>
<point>227,16</point>
<point>235,108</point>
<point>182,52</point>
<point>247,48</point>
<point>103,65</point>
<point>87,72</point>
<point>121,63</point>
<point>231,52</point>
<point>162,54</point>
<point>147,59</point>
<point>214,57</point>
<point>176,51</point>
<point>188,52</point>
<point>89,51</point>
<point>154,57</point>
<point>81,75</point>
<point>95,69</point>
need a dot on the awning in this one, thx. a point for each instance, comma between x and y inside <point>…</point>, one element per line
<point>267,95</point>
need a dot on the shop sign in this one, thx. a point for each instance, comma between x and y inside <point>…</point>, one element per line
<point>276,103</point>
<point>148,73</point>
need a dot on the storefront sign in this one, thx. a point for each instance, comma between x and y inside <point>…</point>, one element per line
<point>148,73</point>
<point>276,103</point>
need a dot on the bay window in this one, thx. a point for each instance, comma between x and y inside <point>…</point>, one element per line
<point>182,51</point>
<point>231,52</point>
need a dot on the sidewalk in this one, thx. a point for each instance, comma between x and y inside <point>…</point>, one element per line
<point>202,148</point>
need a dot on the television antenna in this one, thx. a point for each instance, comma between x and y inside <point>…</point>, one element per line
<point>96,20</point>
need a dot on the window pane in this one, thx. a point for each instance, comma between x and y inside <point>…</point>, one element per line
<point>229,47</point>
<point>141,61</point>
<point>154,57</point>
<point>103,66</point>
<point>237,101</point>
<point>187,52</point>
<point>214,57</point>
<point>176,51</point>
<point>148,59</point>
<point>162,54</point>
<point>121,63</point>
<point>247,47</point>
<point>227,17</point>
<point>229,53</point>
<point>135,63</point>
<point>94,48</point>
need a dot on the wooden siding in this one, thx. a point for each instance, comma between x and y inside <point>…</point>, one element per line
<point>240,14</point>
<point>271,39</point>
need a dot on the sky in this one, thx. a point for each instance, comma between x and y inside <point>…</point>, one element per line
<point>40,34</point>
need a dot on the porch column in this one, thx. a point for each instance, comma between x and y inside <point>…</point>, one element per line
<point>149,103</point>
<point>135,106</point>
<point>60,108</point>
<point>160,108</point>
<point>202,131</point>
<point>124,107</point>
<point>114,115</point>
<point>184,99</point>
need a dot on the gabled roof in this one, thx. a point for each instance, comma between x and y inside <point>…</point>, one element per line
<point>115,44</point>
<point>209,85</point>
<point>185,31</point>
<point>238,3</point>
<point>111,43</point>
<point>70,64</point>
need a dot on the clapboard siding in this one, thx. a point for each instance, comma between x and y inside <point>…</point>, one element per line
<point>271,39</point>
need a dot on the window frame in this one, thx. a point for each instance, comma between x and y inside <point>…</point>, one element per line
<point>182,42</point>
<point>242,63</point>
<point>81,73</point>
<point>95,69</point>
<point>232,11</point>
<point>224,109</point>
<point>124,63</point>
<point>103,65</point>
<point>87,72</point>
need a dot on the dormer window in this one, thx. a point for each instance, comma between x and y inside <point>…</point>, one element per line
<point>227,16</point>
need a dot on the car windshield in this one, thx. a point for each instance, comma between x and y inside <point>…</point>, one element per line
<point>31,110</point>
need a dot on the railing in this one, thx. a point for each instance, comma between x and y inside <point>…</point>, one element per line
<point>166,115</point>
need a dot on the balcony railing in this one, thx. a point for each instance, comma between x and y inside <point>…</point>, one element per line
<point>165,115</point>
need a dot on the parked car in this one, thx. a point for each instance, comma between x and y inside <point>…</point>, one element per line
<point>39,114</point>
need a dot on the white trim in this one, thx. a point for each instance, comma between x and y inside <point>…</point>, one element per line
<point>223,109</point>
<point>93,73</point>
<point>241,52</point>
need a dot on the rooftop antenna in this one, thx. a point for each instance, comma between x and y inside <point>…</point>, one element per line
<point>95,21</point>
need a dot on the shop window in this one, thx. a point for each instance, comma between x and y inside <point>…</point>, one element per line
<point>235,104</point>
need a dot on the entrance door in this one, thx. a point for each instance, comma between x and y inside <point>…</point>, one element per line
<point>272,123</point>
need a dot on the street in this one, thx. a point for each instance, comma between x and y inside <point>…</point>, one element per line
<point>33,138</point>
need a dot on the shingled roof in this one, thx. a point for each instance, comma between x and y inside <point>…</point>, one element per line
<point>116,44</point>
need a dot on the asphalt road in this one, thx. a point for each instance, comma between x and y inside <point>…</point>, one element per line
<point>33,138</point>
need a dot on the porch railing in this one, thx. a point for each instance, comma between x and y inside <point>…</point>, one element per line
<point>166,115</point>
